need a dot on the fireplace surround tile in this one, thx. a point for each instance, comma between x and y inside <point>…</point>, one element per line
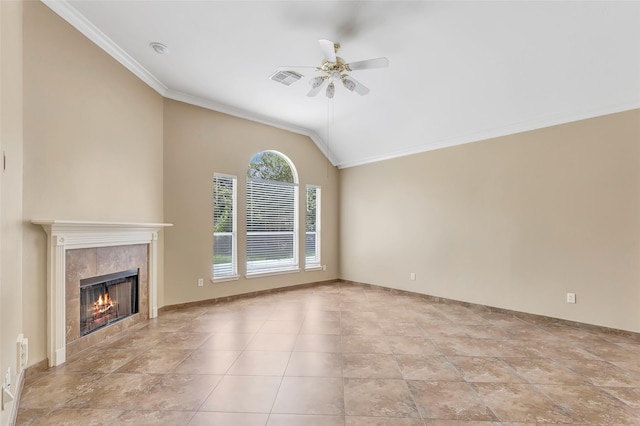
<point>96,261</point>
<point>79,264</point>
<point>72,328</point>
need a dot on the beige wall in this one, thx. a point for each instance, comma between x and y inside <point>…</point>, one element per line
<point>10,191</point>
<point>514,222</point>
<point>199,143</point>
<point>92,146</point>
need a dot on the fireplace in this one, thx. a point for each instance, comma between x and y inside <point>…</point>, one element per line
<point>107,299</point>
<point>77,250</point>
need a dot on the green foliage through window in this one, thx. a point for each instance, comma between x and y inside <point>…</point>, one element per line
<point>312,227</point>
<point>269,165</point>
<point>271,214</point>
<point>224,227</point>
<point>222,205</point>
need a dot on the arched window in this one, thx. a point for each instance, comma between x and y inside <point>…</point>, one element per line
<point>272,214</point>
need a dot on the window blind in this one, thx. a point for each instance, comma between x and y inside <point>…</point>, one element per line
<point>312,227</point>
<point>225,263</point>
<point>272,226</point>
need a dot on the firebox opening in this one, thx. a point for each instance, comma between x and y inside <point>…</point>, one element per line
<point>107,299</point>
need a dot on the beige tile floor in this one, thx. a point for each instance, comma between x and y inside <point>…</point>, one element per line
<point>343,354</point>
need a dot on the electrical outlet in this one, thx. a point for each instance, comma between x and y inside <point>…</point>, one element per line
<point>412,276</point>
<point>200,282</point>
<point>571,298</point>
<point>24,360</point>
<point>19,353</point>
<point>324,267</point>
<point>23,353</point>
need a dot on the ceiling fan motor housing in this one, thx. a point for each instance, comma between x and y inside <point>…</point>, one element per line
<point>339,65</point>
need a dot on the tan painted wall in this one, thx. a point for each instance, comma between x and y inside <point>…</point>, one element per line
<point>92,146</point>
<point>10,191</point>
<point>514,222</point>
<point>199,143</point>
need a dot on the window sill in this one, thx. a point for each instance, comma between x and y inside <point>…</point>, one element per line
<point>268,274</point>
<point>224,279</point>
<point>313,268</point>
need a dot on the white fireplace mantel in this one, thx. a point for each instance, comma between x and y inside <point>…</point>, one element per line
<point>65,235</point>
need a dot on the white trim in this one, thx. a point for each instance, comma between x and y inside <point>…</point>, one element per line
<point>223,279</point>
<point>76,19</point>
<point>513,129</point>
<point>318,231</point>
<point>234,226</point>
<point>271,273</point>
<point>70,14</point>
<point>63,235</point>
<point>257,267</point>
<point>313,268</point>
<point>18,391</point>
<point>241,113</point>
<point>67,12</point>
<point>225,175</point>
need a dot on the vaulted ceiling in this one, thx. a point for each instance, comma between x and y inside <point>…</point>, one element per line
<point>459,72</point>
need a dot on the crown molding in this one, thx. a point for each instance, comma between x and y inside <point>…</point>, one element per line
<point>240,113</point>
<point>67,12</point>
<point>513,129</point>
<point>82,24</point>
<point>77,20</point>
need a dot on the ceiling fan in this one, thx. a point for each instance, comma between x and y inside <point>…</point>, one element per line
<point>333,70</point>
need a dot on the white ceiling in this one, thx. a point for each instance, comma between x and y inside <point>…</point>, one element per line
<point>460,71</point>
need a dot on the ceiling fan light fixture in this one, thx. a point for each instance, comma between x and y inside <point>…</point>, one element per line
<point>349,84</point>
<point>331,90</point>
<point>333,71</point>
<point>317,81</point>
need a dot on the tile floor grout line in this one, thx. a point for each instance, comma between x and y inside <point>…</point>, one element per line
<point>357,305</point>
<point>406,383</point>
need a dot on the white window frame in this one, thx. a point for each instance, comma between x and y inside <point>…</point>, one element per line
<point>233,274</point>
<point>314,262</point>
<point>259,268</point>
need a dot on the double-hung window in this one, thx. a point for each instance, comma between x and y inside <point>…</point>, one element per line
<point>225,259</point>
<point>312,228</point>
<point>271,214</point>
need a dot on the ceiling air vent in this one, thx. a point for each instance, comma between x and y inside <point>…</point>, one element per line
<point>286,77</point>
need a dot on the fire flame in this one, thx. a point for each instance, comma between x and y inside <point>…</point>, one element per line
<point>103,304</point>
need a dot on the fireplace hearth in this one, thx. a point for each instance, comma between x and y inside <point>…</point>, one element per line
<point>107,299</point>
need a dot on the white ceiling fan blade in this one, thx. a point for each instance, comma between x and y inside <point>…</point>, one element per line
<point>315,90</point>
<point>355,86</point>
<point>328,50</point>
<point>368,64</point>
<point>296,67</point>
